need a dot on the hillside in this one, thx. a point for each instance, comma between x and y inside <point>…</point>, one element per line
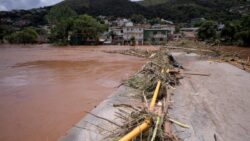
<point>121,8</point>
<point>185,10</point>
<point>175,10</point>
<point>152,2</point>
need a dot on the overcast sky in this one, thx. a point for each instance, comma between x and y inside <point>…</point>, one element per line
<point>6,5</point>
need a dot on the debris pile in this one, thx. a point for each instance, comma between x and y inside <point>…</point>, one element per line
<point>158,70</point>
<point>133,52</point>
<point>236,56</point>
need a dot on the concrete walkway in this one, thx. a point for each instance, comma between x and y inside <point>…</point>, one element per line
<point>91,128</point>
<point>216,107</point>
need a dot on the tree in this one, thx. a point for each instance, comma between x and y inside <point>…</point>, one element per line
<point>244,37</point>
<point>229,31</point>
<point>245,22</point>
<point>61,31</point>
<point>86,28</point>
<point>25,36</point>
<point>207,31</point>
<point>155,21</point>
<point>137,19</point>
<point>5,30</point>
<point>60,13</point>
<point>60,19</point>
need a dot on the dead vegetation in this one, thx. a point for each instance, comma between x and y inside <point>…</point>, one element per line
<point>159,67</point>
<point>133,52</point>
<point>236,56</point>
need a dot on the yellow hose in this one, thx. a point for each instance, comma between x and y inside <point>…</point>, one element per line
<point>135,132</point>
<point>152,104</point>
<point>145,125</point>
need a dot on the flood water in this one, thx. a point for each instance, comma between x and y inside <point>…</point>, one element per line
<point>45,90</point>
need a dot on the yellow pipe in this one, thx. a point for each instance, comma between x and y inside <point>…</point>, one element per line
<point>135,132</point>
<point>145,125</point>
<point>152,104</point>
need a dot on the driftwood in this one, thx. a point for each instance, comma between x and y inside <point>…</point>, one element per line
<point>191,49</point>
<point>188,73</point>
<point>104,119</point>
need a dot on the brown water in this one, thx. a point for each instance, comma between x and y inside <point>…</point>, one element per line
<point>44,91</point>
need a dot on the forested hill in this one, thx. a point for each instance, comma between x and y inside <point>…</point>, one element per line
<point>175,10</point>
<point>117,8</point>
<point>184,10</point>
<point>225,3</point>
<point>152,2</point>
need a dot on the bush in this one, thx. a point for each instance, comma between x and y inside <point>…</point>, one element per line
<point>228,33</point>
<point>207,31</point>
<point>25,36</point>
<point>244,37</point>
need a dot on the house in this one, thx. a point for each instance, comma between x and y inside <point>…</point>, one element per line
<point>156,36</point>
<point>169,27</point>
<point>120,22</point>
<point>116,34</point>
<point>136,32</point>
<point>189,33</point>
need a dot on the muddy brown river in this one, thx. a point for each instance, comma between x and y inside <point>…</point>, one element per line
<point>45,90</point>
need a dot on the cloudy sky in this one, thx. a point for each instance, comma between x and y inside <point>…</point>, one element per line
<point>6,5</point>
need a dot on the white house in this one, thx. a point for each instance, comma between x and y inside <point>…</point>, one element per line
<point>133,31</point>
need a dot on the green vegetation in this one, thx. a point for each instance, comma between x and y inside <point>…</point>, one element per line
<point>5,30</point>
<point>86,30</point>
<point>228,33</point>
<point>25,36</point>
<point>60,19</point>
<point>59,14</point>
<point>234,32</point>
<point>138,19</point>
<point>175,10</point>
<point>207,31</point>
<point>152,2</point>
<point>68,28</point>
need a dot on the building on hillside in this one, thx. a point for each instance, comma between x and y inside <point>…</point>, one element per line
<point>133,31</point>
<point>120,22</point>
<point>189,33</point>
<point>156,36</point>
<point>169,27</point>
<point>116,34</point>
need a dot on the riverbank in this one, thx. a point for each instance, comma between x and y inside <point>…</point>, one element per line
<point>45,90</point>
<point>205,106</point>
